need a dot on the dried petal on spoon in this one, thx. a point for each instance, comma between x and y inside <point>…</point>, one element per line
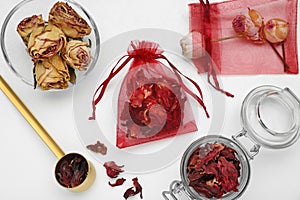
<point>71,170</point>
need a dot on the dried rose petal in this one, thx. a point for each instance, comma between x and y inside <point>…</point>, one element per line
<point>71,171</point>
<point>129,193</point>
<point>276,30</point>
<point>98,148</point>
<point>112,169</point>
<point>154,108</point>
<point>118,182</point>
<point>138,189</point>
<point>213,170</point>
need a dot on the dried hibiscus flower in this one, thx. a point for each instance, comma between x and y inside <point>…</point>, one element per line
<point>112,169</point>
<point>131,192</point>
<point>118,182</point>
<point>213,170</point>
<point>153,108</point>
<point>72,170</point>
<point>98,148</point>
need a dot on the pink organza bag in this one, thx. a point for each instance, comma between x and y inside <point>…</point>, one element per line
<point>238,56</point>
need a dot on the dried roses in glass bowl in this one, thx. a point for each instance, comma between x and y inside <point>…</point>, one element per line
<point>50,44</point>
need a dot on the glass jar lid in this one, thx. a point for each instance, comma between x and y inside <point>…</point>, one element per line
<point>270,116</point>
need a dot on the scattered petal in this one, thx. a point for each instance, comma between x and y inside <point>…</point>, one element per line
<point>129,192</point>
<point>112,169</point>
<point>213,170</point>
<point>98,148</point>
<point>138,187</point>
<point>118,182</point>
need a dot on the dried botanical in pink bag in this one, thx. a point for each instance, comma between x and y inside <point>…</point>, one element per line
<point>152,102</point>
<point>239,56</point>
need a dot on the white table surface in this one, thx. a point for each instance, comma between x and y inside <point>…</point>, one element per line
<point>26,166</point>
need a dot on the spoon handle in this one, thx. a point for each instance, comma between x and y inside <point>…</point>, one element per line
<point>16,101</point>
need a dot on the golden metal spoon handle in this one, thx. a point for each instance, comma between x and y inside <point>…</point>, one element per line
<point>16,101</point>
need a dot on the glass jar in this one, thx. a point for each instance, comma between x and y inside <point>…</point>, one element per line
<point>270,119</point>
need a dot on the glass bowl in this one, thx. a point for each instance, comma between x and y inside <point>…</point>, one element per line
<point>15,51</point>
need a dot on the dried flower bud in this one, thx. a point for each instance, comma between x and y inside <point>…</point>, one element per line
<point>256,17</point>
<point>77,54</point>
<point>276,30</point>
<point>244,26</point>
<point>26,26</point>
<point>52,73</point>
<point>249,26</point>
<point>68,20</point>
<point>193,45</point>
<point>45,42</point>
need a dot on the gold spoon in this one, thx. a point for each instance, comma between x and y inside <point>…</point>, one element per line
<point>75,160</point>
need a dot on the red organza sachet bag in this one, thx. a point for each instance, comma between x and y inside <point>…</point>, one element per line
<point>152,101</point>
<point>239,56</point>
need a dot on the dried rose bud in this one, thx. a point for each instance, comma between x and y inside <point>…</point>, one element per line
<point>276,30</point>
<point>243,25</point>
<point>52,73</point>
<point>45,42</point>
<point>193,45</point>
<point>26,26</point>
<point>68,20</point>
<point>77,54</point>
<point>255,17</point>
